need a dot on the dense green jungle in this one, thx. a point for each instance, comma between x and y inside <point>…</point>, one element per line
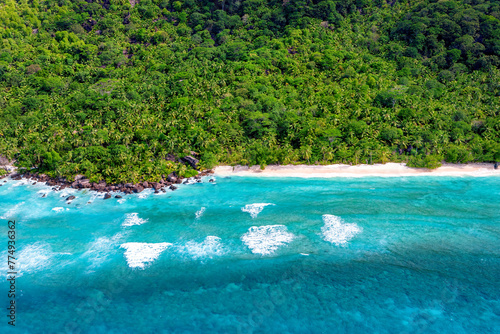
<point>118,90</point>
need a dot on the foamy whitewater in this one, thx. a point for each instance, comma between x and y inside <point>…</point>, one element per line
<point>138,254</point>
<point>132,219</point>
<point>337,232</point>
<point>265,240</point>
<point>258,255</point>
<point>255,209</point>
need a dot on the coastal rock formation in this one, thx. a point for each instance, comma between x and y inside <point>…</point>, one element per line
<point>172,177</point>
<point>81,182</point>
<point>193,162</point>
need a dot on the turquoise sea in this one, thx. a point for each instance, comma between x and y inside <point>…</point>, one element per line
<point>258,255</point>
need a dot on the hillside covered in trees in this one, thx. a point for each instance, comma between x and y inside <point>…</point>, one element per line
<point>113,89</point>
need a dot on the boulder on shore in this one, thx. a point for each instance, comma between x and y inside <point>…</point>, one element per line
<point>70,198</point>
<point>193,162</point>
<point>172,177</point>
<point>108,195</point>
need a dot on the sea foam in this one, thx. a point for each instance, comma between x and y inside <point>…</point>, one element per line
<point>209,248</point>
<point>133,219</point>
<point>265,240</point>
<point>255,209</point>
<point>12,211</point>
<point>200,213</point>
<point>100,250</point>
<point>138,254</point>
<point>337,232</point>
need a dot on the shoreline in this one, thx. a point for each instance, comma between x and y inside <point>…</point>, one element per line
<point>382,170</point>
<point>170,182</point>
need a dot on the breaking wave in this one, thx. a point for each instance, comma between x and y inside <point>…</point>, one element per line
<point>133,219</point>
<point>337,232</point>
<point>139,254</point>
<point>265,240</point>
<point>255,209</point>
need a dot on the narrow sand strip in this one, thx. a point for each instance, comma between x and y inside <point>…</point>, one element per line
<point>386,170</point>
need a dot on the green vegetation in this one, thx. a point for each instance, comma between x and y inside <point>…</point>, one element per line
<point>112,91</point>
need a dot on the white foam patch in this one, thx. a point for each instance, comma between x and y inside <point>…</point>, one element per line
<point>44,192</point>
<point>21,182</point>
<point>121,200</point>
<point>337,232</point>
<point>265,240</point>
<point>58,209</point>
<point>12,211</point>
<point>255,209</point>
<point>209,248</point>
<point>99,251</point>
<point>139,254</point>
<point>133,219</point>
<point>143,194</point>
<point>200,213</point>
<point>34,257</point>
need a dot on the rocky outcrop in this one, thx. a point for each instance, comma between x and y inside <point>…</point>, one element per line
<point>193,162</point>
<point>108,195</point>
<point>81,182</point>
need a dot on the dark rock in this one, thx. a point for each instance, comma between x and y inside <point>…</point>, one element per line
<point>199,181</point>
<point>162,189</point>
<point>179,181</point>
<point>145,184</point>
<point>33,183</point>
<point>118,196</point>
<point>44,195</point>
<point>138,188</point>
<point>157,191</point>
<point>70,198</point>
<point>108,195</point>
<point>79,177</point>
<point>211,180</point>
<point>186,182</point>
<point>172,177</point>
<point>128,185</point>
<point>193,162</point>
<point>173,187</point>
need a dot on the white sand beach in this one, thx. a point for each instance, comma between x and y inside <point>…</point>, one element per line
<point>385,170</point>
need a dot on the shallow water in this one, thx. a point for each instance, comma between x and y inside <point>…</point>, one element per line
<point>259,255</point>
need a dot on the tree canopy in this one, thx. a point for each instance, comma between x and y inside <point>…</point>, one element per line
<point>114,88</point>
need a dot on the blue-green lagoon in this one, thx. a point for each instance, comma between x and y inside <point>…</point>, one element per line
<point>414,254</point>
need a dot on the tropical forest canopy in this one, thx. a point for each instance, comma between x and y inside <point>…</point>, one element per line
<point>113,89</point>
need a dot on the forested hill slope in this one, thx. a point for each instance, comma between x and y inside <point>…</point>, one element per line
<point>111,89</point>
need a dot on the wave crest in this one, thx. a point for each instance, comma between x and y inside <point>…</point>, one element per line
<point>255,209</point>
<point>138,254</point>
<point>209,248</point>
<point>133,219</point>
<point>337,232</point>
<point>265,240</point>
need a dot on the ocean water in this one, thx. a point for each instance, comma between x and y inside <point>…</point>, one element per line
<point>258,255</point>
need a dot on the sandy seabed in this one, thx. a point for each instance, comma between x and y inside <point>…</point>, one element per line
<point>386,170</point>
